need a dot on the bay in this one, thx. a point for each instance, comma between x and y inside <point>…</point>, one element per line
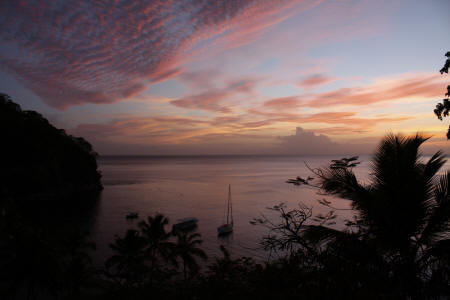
<point>197,186</point>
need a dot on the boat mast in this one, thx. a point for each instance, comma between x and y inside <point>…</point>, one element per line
<point>230,205</point>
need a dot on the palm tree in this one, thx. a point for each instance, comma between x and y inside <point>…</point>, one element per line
<point>157,244</point>
<point>126,267</point>
<point>187,250</point>
<point>156,236</point>
<point>404,213</point>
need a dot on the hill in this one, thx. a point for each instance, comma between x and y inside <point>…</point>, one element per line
<point>39,161</point>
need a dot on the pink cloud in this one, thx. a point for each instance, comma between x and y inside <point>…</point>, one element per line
<point>345,118</point>
<point>71,53</point>
<point>283,103</point>
<point>213,99</point>
<point>203,79</point>
<point>315,81</point>
<point>144,130</point>
<point>398,88</point>
<point>341,130</point>
<point>394,89</point>
<point>206,101</point>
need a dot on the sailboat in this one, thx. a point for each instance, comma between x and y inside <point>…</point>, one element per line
<point>228,227</point>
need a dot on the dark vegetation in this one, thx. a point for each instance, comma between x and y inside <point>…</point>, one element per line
<point>442,109</point>
<point>48,181</point>
<point>39,159</point>
<point>397,245</point>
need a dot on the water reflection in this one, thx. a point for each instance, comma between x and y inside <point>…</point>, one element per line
<point>180,187</point>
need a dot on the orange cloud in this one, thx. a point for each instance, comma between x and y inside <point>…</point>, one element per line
<point>213,99</point>
<point>315,81</point>
<point>402,87</point>
<point>395,89</point>
<point>344,118</point>
<point>283,103</point>
<point>206,101</point>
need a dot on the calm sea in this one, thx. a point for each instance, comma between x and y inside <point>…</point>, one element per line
<point>180,187</point>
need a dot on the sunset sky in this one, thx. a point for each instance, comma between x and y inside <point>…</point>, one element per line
<point>229,77</point>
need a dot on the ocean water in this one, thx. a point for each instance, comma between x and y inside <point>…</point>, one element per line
<point>180,187</point>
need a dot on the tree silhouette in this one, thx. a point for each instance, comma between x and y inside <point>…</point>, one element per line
<point>187,249</point>
<point>227,276</point>
<point>403,214</point>
<point>29,263</point>
<point>127,266</point>
<point>158,249</point>
<point>79,271</point>
<point>42,162</point>
<point>442,109</point>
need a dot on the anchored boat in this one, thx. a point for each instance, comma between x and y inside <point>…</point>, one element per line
<point>228,227</point>
<point>185,224</point>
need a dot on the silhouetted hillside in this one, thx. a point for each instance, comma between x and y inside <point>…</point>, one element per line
<point>40,161</point>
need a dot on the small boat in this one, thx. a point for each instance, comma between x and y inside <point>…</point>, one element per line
<point>132,215</point>
<point>185,224</point>
<point>228,227</point>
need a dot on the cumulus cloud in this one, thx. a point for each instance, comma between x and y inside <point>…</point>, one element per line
<point>308,143</point>
<point>75,52</point>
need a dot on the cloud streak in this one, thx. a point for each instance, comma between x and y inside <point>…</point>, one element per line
<point>316,80</point>
<point>402,87</point>
<point>245,130</point>
<point>213,99</point>
<point>76,52</point>
<point>398,88</point>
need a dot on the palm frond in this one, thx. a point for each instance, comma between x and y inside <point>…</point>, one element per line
<point>403,188</point>
<point>343,183</point>
<point>433,165</point>
<point>396,159</point>
<point>438,225</point>
<point>442,190</point>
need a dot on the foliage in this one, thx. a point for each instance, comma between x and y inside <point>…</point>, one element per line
<point>442,109</point>
<point>232,276</point>
<point>37,263</point>
<point>187,249</point>
<point>287,235</point>
<point>158,249</point>
<point>44,253</point>
<point>402,218</point>
<point>126,267</point>
<point>39,161</point>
